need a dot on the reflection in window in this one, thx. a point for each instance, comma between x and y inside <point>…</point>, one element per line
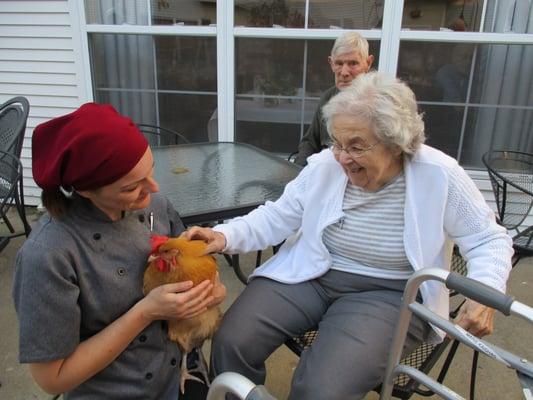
<point>116,12</point>
<point>443,126</point>
<point>475,97</point>
<point>188,114</point>
<point>509,17</point>
<point>434,15</point>
<point>346,14</point>
<point>183,12</point>
<point>496,128</point>
<point>122,61</point>
<point>268,66</point>
<point>436,71</point>
<point>269,89</point>
<point>160,12</point>
<point>278,84</point>
<point>270,13</point>
<point>186,63</point>
<point>177,90</point>
<point>459,16</point>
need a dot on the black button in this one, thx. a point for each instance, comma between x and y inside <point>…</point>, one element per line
<point>121,271</point>
<point>141,217</point>
<point>97,236</point>
<point>173,362</point>
<point>142,338</point>
<point>149,376</point>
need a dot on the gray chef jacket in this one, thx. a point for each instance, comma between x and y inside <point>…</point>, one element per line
<point>75,276</point>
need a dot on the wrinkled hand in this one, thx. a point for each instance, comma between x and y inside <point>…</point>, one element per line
<point>177,300</point>
<point>216,241</point>
<point>476,318</point>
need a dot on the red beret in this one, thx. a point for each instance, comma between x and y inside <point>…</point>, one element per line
<point>87,149</point>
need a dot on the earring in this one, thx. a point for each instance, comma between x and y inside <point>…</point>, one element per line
<point>67,193</point>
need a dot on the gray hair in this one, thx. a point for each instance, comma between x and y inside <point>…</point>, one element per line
<point>350,42</point>
<point>387,103</point>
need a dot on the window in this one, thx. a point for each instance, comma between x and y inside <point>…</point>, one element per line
<point>151,12</point>
<point>476,95</point>
<point>278,84</point>
<point>167,80</point>
<point>254,70</point>
<point>158,80</point>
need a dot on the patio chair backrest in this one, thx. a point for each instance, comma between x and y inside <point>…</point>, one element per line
<point>511,176</point>
<point>158,136</point>
<point>10,174</point>
<point>13,117</point>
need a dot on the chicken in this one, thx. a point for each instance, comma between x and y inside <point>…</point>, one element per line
<point>176,260</point>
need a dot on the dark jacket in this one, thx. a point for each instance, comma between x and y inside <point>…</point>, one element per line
<point>316,138</point>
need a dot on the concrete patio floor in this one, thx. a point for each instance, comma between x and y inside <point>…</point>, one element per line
<point>494,380</point>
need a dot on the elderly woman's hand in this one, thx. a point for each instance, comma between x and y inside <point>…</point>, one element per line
<point>476,318</point>
<point>216,241</point>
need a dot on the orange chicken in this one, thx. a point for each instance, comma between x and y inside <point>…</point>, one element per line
<point>176,260</point>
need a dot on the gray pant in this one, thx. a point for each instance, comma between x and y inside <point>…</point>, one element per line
<point>356,317</point>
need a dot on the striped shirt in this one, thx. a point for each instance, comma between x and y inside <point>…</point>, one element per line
<point>369,239</point>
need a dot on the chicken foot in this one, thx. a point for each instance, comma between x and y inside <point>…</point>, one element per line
<point>186,374</point>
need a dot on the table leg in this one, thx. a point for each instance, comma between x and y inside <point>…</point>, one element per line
<point>4,241</point>
<point>237,268</point>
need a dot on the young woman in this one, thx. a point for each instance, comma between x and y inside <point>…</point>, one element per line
<point>86,329</point>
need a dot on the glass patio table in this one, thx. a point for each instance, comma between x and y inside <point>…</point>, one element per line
<point>210,182</point>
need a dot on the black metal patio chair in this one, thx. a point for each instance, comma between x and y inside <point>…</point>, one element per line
<point>158,136</point>
<point>10,174</point>
<point>13,117</point>
<point>511,176</point>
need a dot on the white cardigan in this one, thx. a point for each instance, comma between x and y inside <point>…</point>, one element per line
<point>441,203</point>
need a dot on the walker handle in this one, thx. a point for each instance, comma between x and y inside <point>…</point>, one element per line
<point>480,292</point>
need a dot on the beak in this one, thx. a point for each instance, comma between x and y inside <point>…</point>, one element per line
<point>152,257</point>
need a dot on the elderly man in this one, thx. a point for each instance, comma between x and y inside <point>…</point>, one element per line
<point>349,58</point>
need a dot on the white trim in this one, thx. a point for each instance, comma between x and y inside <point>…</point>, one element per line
<point>477,105</point>
<point>162,30</point>
<point>390,46</point>
<point>300,33</point>
<point>483,16</point>
<point>156,90</point>
<point>306,16</point>
<point>225,71</point>
<point>391,36</point>
<point>467,37</point>
<point>80,46</point>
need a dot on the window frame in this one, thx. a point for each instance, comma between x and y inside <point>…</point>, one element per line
<point>391,35</point>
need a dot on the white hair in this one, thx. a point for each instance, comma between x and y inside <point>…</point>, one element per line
<point>387,104</point>
<point>350,42</point>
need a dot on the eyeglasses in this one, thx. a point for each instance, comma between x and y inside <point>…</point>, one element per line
<point>354,151</point>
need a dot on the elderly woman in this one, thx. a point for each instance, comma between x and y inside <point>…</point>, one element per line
<point>359,220</point>
<point>85,327</point>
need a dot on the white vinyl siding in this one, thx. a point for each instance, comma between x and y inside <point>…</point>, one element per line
<point>40,60</point>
